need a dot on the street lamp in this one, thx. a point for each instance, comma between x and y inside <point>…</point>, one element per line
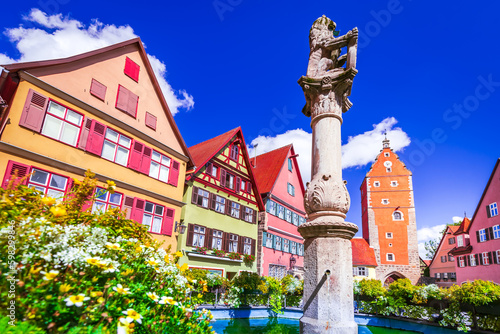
<point>293,260</point>
<point>180,227</point>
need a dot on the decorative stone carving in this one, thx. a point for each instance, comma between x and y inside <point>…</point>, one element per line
<point>326,194</point>
<point>327,86</point>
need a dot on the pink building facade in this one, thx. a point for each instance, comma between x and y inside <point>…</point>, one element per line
<point>442,266</point>
<point>280,246</point>
<point>479,256</point>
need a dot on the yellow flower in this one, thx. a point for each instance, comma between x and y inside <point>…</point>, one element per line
<point>64,288</point>
<point>50,275</point>
<point>152,262</point>
<point>76,300</point>
<point>93,261</point>
<point>138,249</point>
<point>48,297</point>
<point>167,300</point>
<point>153,296</point>
<point>121,290</point>
<point>184,267</point>
<point>95,279</point>
<point>114,246</point>
<point>166,259</point>
<point>132,315</point>
<point>58,211</point>
<point>127,272</point>
<point>100,300</point>
<point>76,181</point>
<point>49,201</point>
<point>34,270</point>
<point>94,294</point>
<point>111,186</point>
<point>178,254</point>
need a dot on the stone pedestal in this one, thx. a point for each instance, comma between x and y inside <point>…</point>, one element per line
<point>328,291</point>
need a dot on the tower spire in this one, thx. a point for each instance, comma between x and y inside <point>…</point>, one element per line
<point>385,142</point>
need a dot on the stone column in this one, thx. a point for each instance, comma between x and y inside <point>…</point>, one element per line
<point>328,294</point>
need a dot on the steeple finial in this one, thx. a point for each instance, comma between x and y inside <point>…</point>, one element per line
<point>385,142</point>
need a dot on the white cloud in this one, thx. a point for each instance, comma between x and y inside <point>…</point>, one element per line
<point>301,141</point>
<point>364,148</point>
<point>55,36</point>
<point>457,219</point>
<point>359,150</point>
<point>428,233</point>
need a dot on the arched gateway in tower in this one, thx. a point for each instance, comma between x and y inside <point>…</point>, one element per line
<point>388,216</point>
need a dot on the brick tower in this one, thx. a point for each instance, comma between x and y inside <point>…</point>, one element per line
<point>388,216</point>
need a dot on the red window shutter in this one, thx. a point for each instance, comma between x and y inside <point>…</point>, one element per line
<point>212,201</point>
<point>254,217</point>
<point>137,210</point>
<point>238,182</point>
<point>132,69</point>
<point>208,238</point>
<point>228,207</point>
<point>135,157</point>
<point>98,89</point>
<point>190,235</point>
<point>253,247</point>
<point>150,121</point>
<point>240,244</point>
<point>249,187</point>
<point>222,178</point>
<point>126,101</point>
<point>84,135</point>
<point>146,160</point>
<point>477,237</point>
<point>168,222</point>
<point>128,205</point>
<point>22,171</point>
<point>194,195</point>
<point>34,111</point>
<point>225,242</point>
<point>458,261</point>
<point>209,168</point>
<point>173,177</point>
<point>95,139</point>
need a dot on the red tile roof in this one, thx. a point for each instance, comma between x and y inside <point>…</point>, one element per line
<point>427,262</point>
<point>202,152</point>
<point>464,227</point>
<point>268,167</point>
<point>362,253</point>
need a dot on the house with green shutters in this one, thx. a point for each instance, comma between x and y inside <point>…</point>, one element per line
<point>222,207</point>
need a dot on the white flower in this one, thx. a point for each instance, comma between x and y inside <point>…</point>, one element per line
<point>76,300</point>
<point>132,316</point>
<point>153,296</point>
<point>121,290</point>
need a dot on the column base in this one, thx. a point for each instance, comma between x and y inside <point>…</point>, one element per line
<point>320,326</point>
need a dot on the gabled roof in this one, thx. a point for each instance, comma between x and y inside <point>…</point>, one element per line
<point>362,253</point>
<point>464,227</point>
<point>202,153</point>
<point>484,193</point>
<point>427,262</point>
<point>453,229</point>
<point>269,165</point>
<point>26,66</point>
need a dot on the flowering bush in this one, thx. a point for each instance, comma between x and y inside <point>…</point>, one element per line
<point>82,271</point>
<point>234,256</point>
<point>455,306</point>
<point>201,250</point>
<point>248,259</point>
<point>218,253</point>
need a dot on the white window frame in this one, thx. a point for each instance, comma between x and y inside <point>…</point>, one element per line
<point>286,245</point>
<point>280,213</point>
<point>482,235</point>
<point>486,260</point>
<point>277,240</point>
<point>235,210</point>
<point>461,261</point>
<point>389,235</point>
<point>64,123</point>
<point>472,260</point>
<point>248,215</point>
<point>154,217</point>
<point>203,198</point>
<point>394,183</point>
<point>269,240</point>
<point>394,216</point>
<point>387,154</point>
<point>437,275</point>
<point>48,188</point>
<point>290,189</point>
<point>460,241</point>
<point>104,200</point>
<point>233,243</point>
<point>247,246</point>
<point>445,275</point>
<point>215,170</point>
<point>220,204</point>
<point>376,184</point>
<point>388,169</point>
<point>288,215</point>
<point>160,166</point>
<point>390,254</point>
<point>496,231</point>
<point>360,271</point>
<point>493,209</point>
<point>117,145</point>
<point>385,201</point>
<point>217,236</point>
<point>273,208</point>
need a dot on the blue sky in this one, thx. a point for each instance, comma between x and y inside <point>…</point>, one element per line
<point>428,74</point>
